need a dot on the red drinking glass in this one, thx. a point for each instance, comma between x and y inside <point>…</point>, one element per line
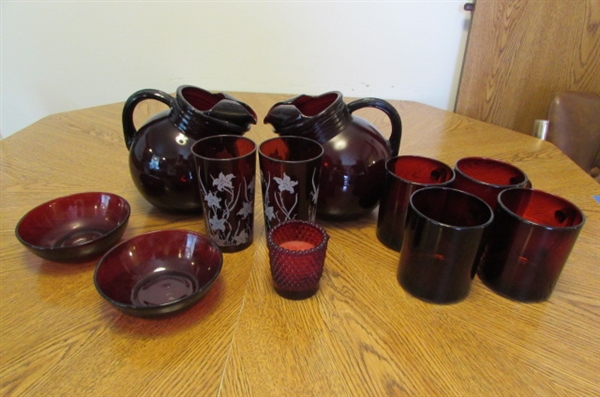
<point>290,169</point>
<point>529,242</point>
<point>442,243</point>
<point>226,166</point>
<point>297,252</point>
<point>404,176</point>
<point>486,178</point>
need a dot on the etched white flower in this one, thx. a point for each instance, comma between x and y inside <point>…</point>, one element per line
<point>216,223</point>
<point>285,184</point>
<point>246,209</point>
<point>223,181</point>
<point>212,200</point>
<point>269,213</point>
<point>241,237</point>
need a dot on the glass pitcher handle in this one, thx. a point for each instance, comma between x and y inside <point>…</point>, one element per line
<point>390,111</point>
<point>129,130</point>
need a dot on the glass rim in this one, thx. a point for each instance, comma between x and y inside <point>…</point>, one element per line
<point>391,160</point>
<point>290,137</point>
<point>224,136</point>
<point>319,247</point>
<point>543,193</point>
<point>491,184</point>
<point>483,225</point>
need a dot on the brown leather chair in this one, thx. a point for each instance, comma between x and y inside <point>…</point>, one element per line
<point>574,127</point>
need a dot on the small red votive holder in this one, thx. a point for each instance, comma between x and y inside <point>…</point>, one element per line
<point>297,252</point>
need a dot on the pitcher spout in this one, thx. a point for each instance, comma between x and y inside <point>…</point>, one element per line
<point>232,111</point>
<point>300,110</point>
<point>282,115</point>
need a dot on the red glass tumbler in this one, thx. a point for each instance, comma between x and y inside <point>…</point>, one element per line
<point>226,166</point>
<point>404,176</point>
<point>290,169</point>
<point>486,178</point>
<point>442,243</point>
<point>297,252</point>
<point>530,240</point>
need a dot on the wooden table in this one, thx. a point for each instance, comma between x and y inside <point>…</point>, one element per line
<point>361,335</point>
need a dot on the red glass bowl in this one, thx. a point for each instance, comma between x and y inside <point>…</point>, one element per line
<point>158,273</point>
<point>74,228</point>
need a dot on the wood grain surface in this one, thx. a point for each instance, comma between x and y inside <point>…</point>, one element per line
<point>520,53</point>
<point>360,335</point>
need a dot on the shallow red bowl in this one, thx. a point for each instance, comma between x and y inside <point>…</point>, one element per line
<point>158,273</point>
<point>74,228</point>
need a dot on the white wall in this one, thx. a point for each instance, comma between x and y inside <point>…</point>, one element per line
<point>59,56</point>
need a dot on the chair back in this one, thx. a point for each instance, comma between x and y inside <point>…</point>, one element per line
<point>574,127</point>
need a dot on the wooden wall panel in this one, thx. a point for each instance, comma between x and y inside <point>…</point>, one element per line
<point>521,52</point>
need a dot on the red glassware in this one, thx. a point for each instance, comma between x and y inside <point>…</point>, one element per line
<point>404,176</point>
<point>354,150</point>
<point>297,251</point>
<point>160,157</point>
<point>158,273</point>
<point>486,178</point>
<point>290,170</point>
<point>442,243</point>
<point>530,241</point>
<point>74,228</point>
<point>226,166</point>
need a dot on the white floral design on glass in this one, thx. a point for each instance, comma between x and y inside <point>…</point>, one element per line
<point>278,211</point>
<point>314,196</point>
<point>212,200</point>
<point>285,183</point>
<point>221,202</point>
<point>223,182</point>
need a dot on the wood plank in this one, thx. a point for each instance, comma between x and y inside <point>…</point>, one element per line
<point>520,53</point>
